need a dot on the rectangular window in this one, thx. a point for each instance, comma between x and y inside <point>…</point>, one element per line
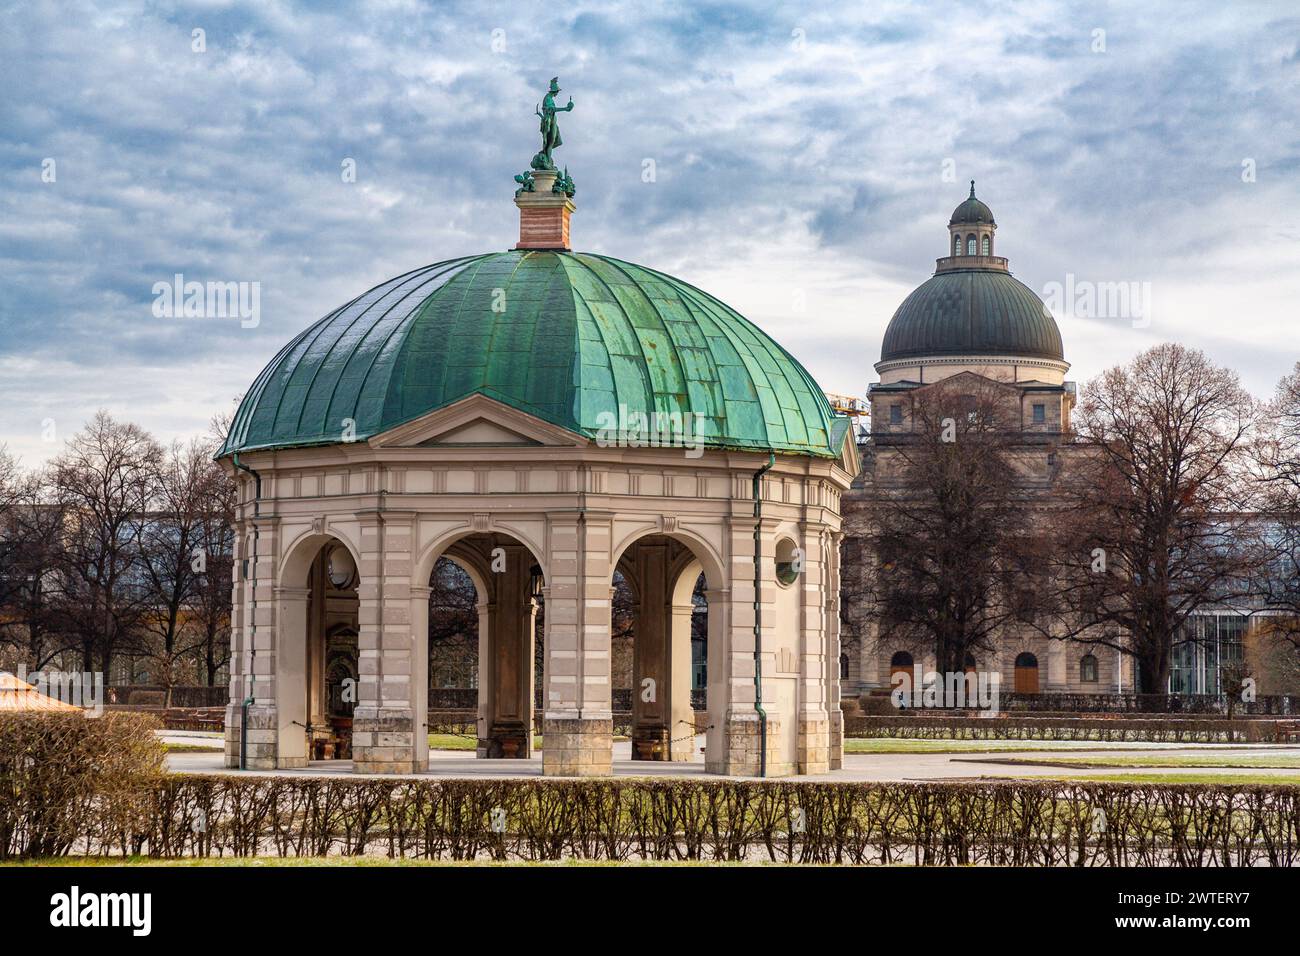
<point>1040,414</point>
<point>895,414</point>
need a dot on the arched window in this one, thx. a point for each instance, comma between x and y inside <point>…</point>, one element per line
<point>1088,669</point>
<point>1026,673</point>
<point>844,667</point>
<point>956,245</point>
<point>970,245</point>
<point>984,246</point>
<point>900,663</point>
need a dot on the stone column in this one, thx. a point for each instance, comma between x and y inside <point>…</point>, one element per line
<point>681,715</point>
<point>741,755</point>
<point>816,679</point>
<point>509,718</point>
<point>255,657</point>
<point>419,617</point>
<point>486,667</point>
<point>288,662</point>
<point>834,694</point>
<point>651,688</point>
<point>388,735</point>
<point>578,722</point>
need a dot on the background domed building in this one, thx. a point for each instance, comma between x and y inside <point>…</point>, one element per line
<point>971,318</point>
<point>543,418</point>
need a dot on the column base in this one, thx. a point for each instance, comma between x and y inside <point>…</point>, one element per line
<point>654,742</point>
<point>744,748</point>
<point>263,749</point>
<point>509,740</point>
<point>577,746</point>
<point>384,741</point>
<point>837,739</point>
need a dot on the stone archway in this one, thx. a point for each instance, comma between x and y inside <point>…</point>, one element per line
<point>663,572</point>
<point>509,586</point>
<point>316,600</point>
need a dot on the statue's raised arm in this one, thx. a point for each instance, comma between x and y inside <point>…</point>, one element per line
<point>550,126</point>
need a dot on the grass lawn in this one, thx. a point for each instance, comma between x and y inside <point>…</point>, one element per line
<point>1157,760</point>
<point>893,745</point>
<point>192,749</point>
<point>1240,779</point>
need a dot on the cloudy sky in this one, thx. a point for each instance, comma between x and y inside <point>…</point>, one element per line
<point>798,161</point>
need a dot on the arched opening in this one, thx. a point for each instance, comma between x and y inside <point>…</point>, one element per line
<point>1026,673</point>
<point>483,646</point>
<point>901,663</point>
<point>970,245</point>
<point>956,245</point>
<point>317,657</point>
<point>664,663</point>
<point>985,247</point>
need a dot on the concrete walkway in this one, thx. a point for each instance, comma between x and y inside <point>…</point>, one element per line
<point>857,767</point>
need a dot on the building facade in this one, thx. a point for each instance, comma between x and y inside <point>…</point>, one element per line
<point>972,323</point>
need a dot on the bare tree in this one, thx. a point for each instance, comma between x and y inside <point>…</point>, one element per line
<point>948,546</point>
<point>31,578</point>
<point>181,547</point>
<point>105,479</point>
<point>1155,521</point>
<point>1278,580</point>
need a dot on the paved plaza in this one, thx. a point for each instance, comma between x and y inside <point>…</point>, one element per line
<point>857,767</point>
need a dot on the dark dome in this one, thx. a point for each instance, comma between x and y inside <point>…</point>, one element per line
<point>971,211</point>
<point>972,312</point>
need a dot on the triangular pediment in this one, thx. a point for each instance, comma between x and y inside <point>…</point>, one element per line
<point>476,421</point>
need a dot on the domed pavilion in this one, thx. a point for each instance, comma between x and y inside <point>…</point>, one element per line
<point>542,418</point>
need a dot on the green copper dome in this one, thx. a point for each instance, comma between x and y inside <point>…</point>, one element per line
<point>562,336</point>
<point>972,312</point>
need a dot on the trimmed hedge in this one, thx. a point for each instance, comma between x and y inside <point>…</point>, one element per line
<point>1024,823</point>
<point>1016,727</point>
<point>65,775</point>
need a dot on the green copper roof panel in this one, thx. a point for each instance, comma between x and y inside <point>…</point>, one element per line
<point>567,337</point>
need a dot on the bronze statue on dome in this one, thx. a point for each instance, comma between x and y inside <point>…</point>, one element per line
<point>550,126</point>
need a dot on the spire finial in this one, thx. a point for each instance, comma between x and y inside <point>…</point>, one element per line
<point>972,189</point>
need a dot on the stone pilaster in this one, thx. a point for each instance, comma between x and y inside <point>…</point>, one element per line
<point>578,724</point>
<point>249,656</point>
<point>388,732</point>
